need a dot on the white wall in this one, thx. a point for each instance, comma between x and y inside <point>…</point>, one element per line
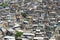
<point>11,39</point>
<point>25,39</point>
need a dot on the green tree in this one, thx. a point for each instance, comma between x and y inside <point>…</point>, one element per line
<point>4,5</point>
<point>18,34</point>
<point>24,15</point>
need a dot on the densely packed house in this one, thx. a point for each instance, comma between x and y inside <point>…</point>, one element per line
<point>29,19</point>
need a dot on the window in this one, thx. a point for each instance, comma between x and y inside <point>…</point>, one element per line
<point>46,39</point>
<point>34,39</point>
<point>6,39</point>
<point>59,31</point>
<point>42,30</point>
<point>58,23</point>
